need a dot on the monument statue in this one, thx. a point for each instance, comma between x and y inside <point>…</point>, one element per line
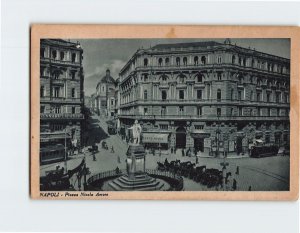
<point>136,132</point>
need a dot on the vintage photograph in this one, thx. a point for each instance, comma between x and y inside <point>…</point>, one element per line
<point>207,114</point>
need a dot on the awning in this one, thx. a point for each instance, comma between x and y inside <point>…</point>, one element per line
<point>155,138</point>
<point>259,140</point>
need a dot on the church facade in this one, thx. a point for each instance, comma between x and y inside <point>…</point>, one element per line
<point>206,96</point>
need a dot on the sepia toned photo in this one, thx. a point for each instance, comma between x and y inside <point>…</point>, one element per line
<point>154,116</point>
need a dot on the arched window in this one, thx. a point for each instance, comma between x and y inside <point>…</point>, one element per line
<point>167,61</point>
<point>62,55</point>
<point>203,60</point>
<point>199,78</point>
<point>244,61</point>
<point>185,61</point>
<point>73,57</point>
<point>196,60</point>
<point>240,61</point>
<point>160,61</point>
<point>177,61</point>
<point>219,95</point>
<point>54,54</point>
<point>233,59</point>
<point>251,96</point>
<point>145,62</point>
<point>145,95</point>
<point>181,78</point>
<point>252,62</point>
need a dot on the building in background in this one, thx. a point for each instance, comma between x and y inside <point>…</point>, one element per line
<point>61,97</point>
<point>206,96</point>
<point>105,96</point>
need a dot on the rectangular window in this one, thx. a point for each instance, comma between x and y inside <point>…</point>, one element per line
<point>42,91</point>
<point>73,110</point>
<point>56,91</point>
<point>57,109</point>
<point>199,111</point>
<point>145,95</point>
<point>258,96</point>
<point>145,111</point>
<point>240,111</point>
<point>219,76</point>
<point>163,111</point>
<point>165,127</point>
<point>199,127</point>
<point>199,94</point>
<point>218,111</point>
<point>73,74</point>
<point>73,93</point>
<point>240,95</point>
<point>42,110</point>
<point>181,94</point>
<point>163,95</point>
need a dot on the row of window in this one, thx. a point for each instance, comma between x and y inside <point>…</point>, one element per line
<point>251,112</point>
<point>181,95</point>
<point>56,74</point>
<point>203,60</point>
<point>57,109</point>
<point>56,92</point>
<point>57,55</point>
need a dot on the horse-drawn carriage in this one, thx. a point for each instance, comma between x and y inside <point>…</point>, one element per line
<point>209,177</point>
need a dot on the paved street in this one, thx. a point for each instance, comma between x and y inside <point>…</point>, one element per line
<point>271,173</point>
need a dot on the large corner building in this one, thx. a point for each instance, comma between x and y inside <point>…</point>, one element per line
<point>61,96</point>
<point>206,96</point>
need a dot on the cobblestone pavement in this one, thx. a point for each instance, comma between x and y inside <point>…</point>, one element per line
<point>263,174</point>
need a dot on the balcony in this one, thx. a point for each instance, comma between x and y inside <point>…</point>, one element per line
<point>204,117</point>
<point>61,100</point>
<point>59,62</point>
<point>61,116</point>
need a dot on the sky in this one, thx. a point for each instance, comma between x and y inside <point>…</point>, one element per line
<point>102,54</point>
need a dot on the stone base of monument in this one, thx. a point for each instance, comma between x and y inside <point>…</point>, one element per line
<point>136,177</point>
<point>140,182</point>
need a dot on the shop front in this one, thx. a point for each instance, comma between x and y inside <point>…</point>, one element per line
<point>199,140</point>
<point>155,140</point>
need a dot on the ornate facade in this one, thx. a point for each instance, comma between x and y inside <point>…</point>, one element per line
<point>105,96</point>
<point>61,91</point>
<point>207,96</point>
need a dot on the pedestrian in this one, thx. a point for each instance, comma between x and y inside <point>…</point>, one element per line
<point>196,159</point>
<point>182,152</point>
<point>234,185</point>
<point>237,172</point>
<point>112,149</point>
<point>119,159</point>
<point>171,150</point>
<point>250,188</point>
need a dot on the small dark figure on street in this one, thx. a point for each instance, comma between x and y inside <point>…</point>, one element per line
<point>182,152</point>
<point>237,172</point>
<point>250,188</point>
<point>112,149</point>
<point>172,150</point>
<point>234,185</point>
<point>119,159</point>
<point>197,160</point>
<point>117,170</point>
<point>94,157</point>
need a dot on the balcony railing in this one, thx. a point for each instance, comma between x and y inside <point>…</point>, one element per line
<point>63,100</point>
<point>60,62</point>
<point>202,101</point>
<point>204,117</point>
<point>69,116</point>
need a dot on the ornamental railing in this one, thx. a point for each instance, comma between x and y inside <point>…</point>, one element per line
<point>77,116</point>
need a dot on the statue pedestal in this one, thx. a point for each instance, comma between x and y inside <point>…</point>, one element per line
<point>136,177</point>
<point>135,162</point>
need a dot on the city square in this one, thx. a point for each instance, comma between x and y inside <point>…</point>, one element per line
<point>210,115</point>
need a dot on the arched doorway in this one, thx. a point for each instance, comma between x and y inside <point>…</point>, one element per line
<point>180,137</point>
